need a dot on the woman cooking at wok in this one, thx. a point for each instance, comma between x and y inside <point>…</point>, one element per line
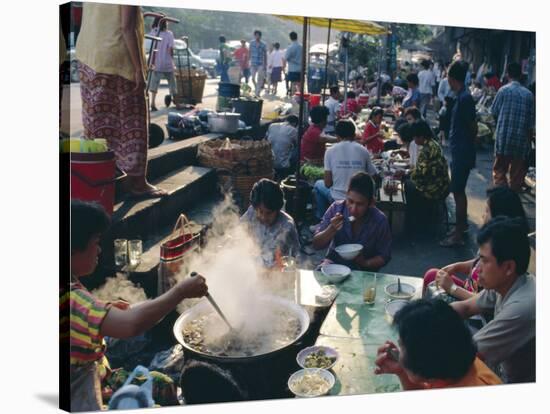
<point>356,220</point>
<point>273,229</point>
<point>86,320</point>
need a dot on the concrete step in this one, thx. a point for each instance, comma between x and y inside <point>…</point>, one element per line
<point>200,214</point>
<point>201,218</point>
<point>147,219</point>
<point>146,273</point>
<point>170,157</point>
<point>142,219</point>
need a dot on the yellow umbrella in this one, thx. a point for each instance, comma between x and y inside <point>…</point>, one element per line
<point>343,25</point>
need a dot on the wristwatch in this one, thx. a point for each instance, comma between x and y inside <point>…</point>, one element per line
<point>453,289</point>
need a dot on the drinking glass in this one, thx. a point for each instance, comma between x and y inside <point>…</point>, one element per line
<point>369,288</point>
<point>135,249</point>
<point>121,252</point>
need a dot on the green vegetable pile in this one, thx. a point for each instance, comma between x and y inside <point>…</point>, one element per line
<point>312,172</point>
<point>318,359</point>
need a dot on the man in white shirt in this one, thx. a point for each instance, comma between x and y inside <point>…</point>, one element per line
<point>283,137</point>
<point>275,62</point>
<point>333,105</point>
<point>341,161</point>
<point>426,82</point>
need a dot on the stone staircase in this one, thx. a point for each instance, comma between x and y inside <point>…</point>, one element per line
<point>192,190</point>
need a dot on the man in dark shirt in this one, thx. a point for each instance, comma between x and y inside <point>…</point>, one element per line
<point>462,136</point>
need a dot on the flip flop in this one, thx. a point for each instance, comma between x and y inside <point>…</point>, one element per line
<point>451,242</point>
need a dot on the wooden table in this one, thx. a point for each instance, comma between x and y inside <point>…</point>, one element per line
<point>356,330</point>
<point>393,203</point>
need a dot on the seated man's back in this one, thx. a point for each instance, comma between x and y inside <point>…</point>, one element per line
<point>509,339</point>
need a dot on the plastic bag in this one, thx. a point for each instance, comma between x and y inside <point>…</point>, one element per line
<point>169,362</point>
<point>131,396</point>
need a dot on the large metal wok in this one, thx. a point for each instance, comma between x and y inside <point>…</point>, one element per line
<point>204,308</point>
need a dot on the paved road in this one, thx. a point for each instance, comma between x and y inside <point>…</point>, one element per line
<point>72,118</point>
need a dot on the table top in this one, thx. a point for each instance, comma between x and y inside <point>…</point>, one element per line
<point>356,330</point>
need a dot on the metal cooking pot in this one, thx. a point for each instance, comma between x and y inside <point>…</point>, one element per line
<point>224,122</point>
<point>204,308</point>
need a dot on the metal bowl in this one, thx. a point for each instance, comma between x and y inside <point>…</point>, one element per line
<point>204,308</point>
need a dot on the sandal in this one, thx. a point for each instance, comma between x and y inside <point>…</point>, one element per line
<point>153,193</point>
<point>452,231</point>
<point>451,242</point>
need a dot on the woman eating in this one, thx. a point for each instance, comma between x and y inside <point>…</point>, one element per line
<point>273,229</point>
<point>373,138</point>
<point>368,227</point>
<point>501,201</point>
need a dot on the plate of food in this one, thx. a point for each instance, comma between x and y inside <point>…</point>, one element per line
<point>317,357</point>
<point>311,382</point>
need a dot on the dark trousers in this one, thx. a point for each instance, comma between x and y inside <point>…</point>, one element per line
<point>516,167</point>
<point>419,208</point>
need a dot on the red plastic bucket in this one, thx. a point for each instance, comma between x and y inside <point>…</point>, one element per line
<point>93,177</point>
<point>363,99</point>
<point>306,96</point>
<point>314,100</point>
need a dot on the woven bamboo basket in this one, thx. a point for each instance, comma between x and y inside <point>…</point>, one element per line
<point>198,80</point>
<point>242,185</point>
<point>237,156</point>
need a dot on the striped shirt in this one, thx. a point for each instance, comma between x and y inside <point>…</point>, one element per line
<point>514,111</point>
<point>86,315</point>
<point>258,52</point>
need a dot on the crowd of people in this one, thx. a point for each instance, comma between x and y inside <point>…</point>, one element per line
<point>263,63</point>
<point>436,349</point>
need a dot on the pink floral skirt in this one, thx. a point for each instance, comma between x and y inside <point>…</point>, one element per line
<point>112,110</point>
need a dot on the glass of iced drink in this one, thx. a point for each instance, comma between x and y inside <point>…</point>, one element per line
<point>369,288</point>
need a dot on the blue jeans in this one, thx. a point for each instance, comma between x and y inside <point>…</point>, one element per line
<point>323,199</point>
<point>224,77</point>
<point>424,102</point>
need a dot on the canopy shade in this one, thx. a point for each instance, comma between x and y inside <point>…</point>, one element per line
<point>343,25</point>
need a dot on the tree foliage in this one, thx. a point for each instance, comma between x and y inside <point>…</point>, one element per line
<point>203,27</point>
<point>412,33</point>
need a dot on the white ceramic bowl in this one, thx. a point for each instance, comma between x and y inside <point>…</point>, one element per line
<point>407,291</point>
<point>393,307</point>
<point>335,273</point>
<point>302,355</point>
<point>322,372</point>
<point>349,251</point>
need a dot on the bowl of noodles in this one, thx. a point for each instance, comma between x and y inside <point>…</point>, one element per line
<point>311,382</point>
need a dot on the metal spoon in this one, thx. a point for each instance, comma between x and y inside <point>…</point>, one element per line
<point>215,306</point>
